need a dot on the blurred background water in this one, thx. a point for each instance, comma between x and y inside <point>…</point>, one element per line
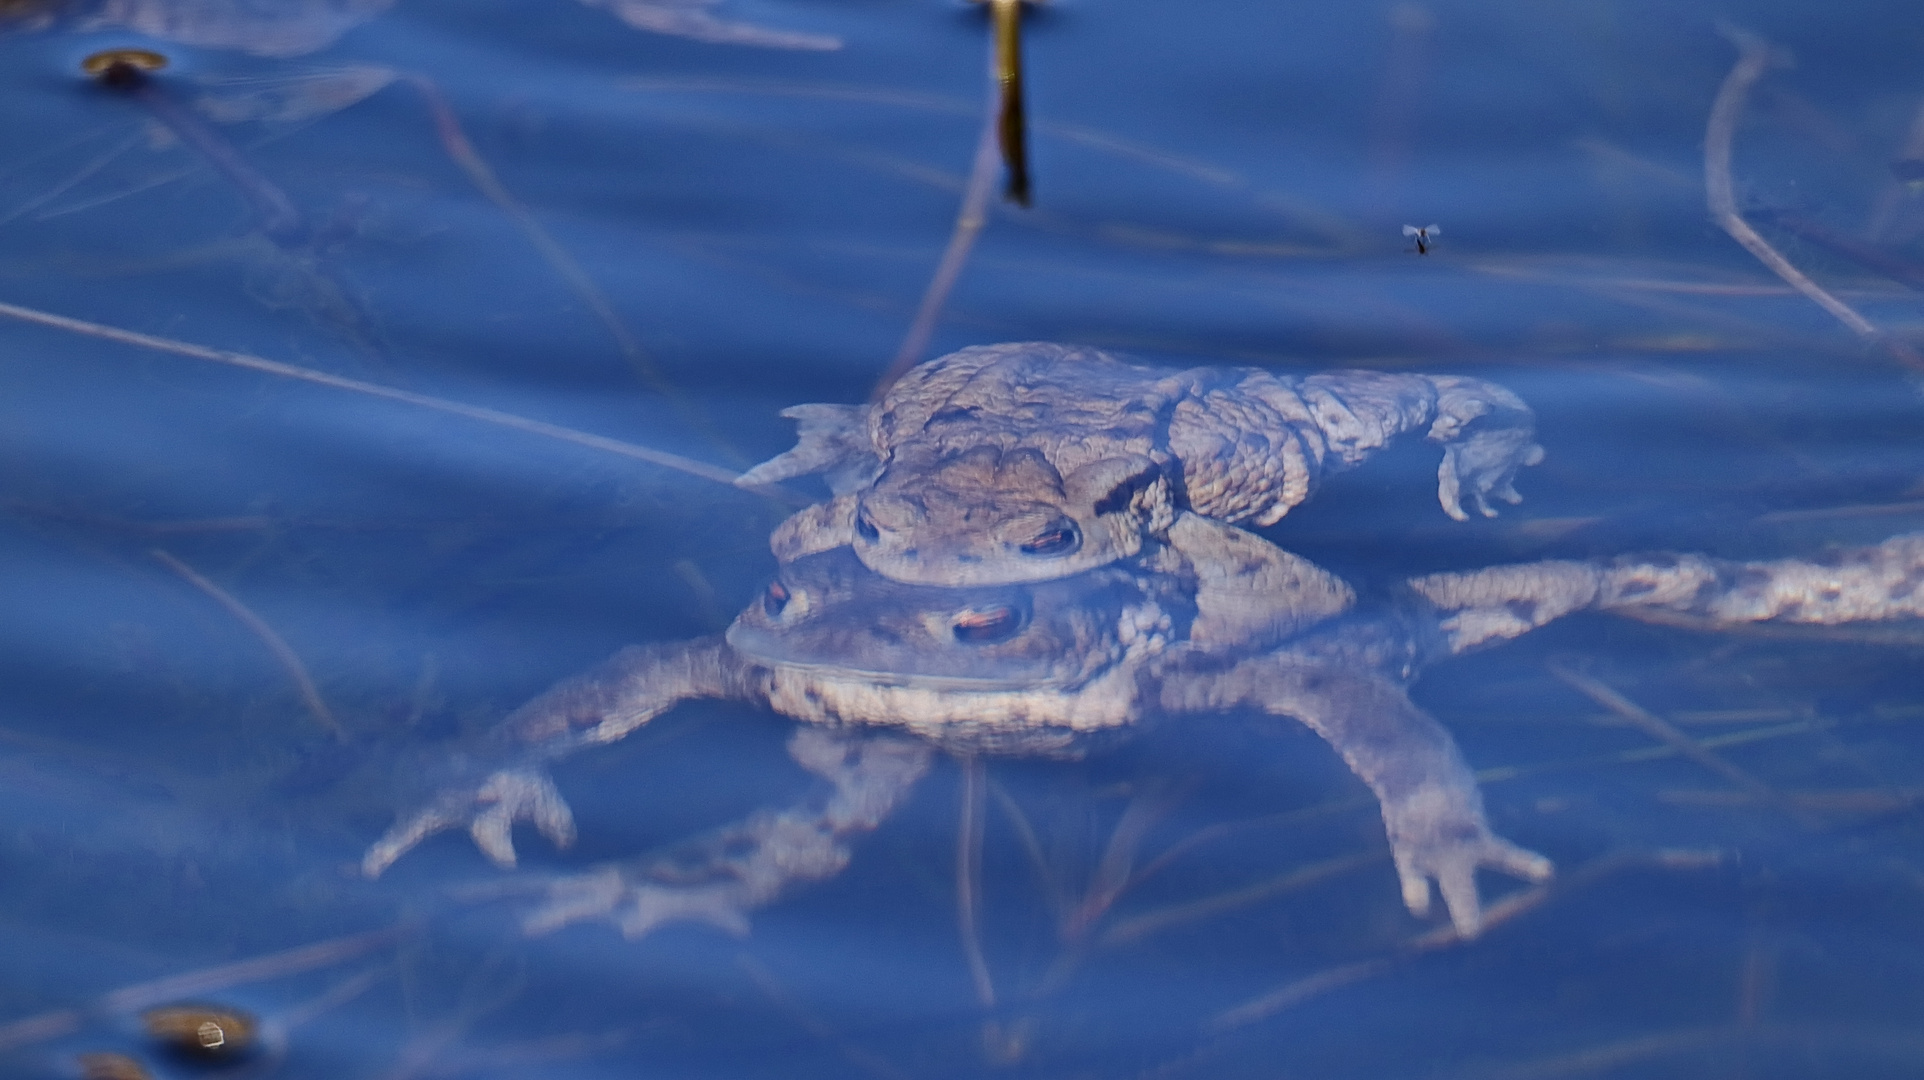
<point>741,203</point>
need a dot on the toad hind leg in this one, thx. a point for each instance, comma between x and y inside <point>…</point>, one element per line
<point>721,877</point>
<point>1431,807</point>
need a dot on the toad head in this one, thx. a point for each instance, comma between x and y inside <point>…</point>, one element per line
<point>991,516</point>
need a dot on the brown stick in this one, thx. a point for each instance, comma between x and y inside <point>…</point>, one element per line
<point>1012,121</point>
<point>1665,732</point>
<point>321,378</point>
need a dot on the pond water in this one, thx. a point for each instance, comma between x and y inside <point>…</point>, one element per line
<point>663,221</point>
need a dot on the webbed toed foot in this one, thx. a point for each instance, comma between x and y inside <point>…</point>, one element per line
<point>1487,434</point>
<point>1437,834</point>
<point>489,810</point>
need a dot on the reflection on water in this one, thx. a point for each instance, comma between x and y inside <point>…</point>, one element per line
<point>620,221</point>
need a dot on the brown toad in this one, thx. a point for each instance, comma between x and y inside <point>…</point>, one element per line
<point>884,671</point>
<point>1028,461</point>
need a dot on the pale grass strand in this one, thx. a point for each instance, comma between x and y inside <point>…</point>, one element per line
<point>1753,59</point>
<point>969,220</point>
<point>290,371</point>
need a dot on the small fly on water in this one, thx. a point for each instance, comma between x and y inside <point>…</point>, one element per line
<point>1424,235</point>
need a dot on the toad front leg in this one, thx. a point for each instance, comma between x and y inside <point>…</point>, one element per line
<point>502,778</point>
<point>720,878</point>
<point>1431,807</point>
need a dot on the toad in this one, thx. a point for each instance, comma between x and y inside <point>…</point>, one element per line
<point>1029,461</point>
<point>882,673</point>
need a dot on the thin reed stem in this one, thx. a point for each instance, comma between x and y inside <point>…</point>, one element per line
<point>290,661</point>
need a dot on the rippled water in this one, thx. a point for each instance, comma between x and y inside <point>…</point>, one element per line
<point>1215,183</point>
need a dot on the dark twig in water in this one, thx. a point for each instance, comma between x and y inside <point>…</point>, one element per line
<point>1116,872</point>
<point>1792,1042</point>
<point>425,401</point>
<point>290,661</point>
<point>1128,930</point>
<point>1755,56</point>
<point>1845,800</point>
<point>1046,877</point>
<point>1211,833</point>
<point>1510,907</point>
<point>1888,263</point>
<point>1114,875</point>
<point>968,225</point>
<point>1668,734</point>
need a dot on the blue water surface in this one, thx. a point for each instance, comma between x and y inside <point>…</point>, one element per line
<point>591,217</point>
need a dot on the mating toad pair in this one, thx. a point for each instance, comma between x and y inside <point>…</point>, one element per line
<point>1033,543</point>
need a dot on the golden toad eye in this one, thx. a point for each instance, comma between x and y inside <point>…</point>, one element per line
<point>775,599</point>
<point>1057,540</point>
<point>987,626</point>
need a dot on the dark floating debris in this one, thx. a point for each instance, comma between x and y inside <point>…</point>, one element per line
<point>1892,264</point>
<point>1424,235</point>
<point>123,67</point>
<point>205,1031</point>
<point>111,1067</point>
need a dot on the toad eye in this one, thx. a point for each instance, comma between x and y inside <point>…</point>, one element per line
<point>987,626</point>
<point>775,599</point>
<point>866,529</point>
<point>1057,540</point>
